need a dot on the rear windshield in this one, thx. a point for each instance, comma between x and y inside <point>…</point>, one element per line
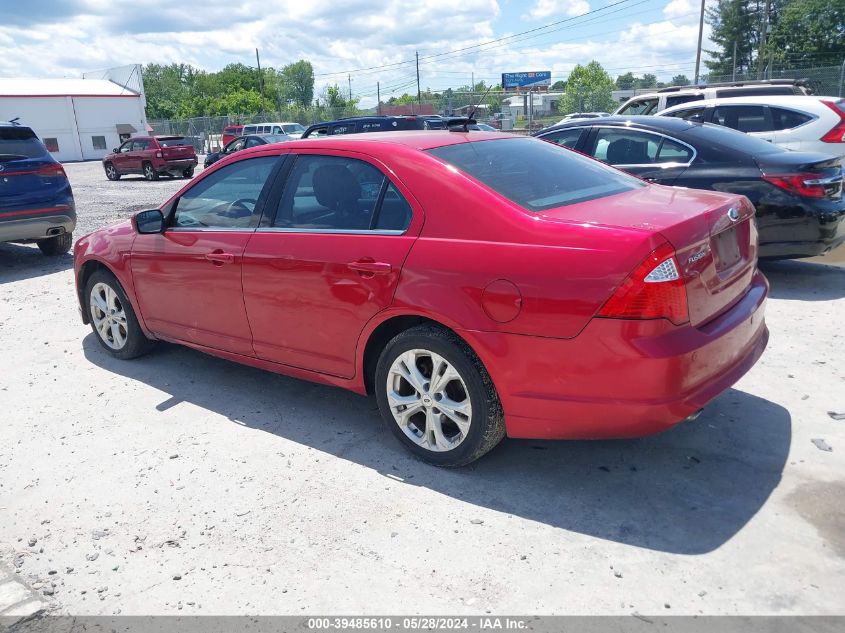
<point>20,142</point>
<point>172,141</point>
<point>535,174</point>
<point>703,132</point>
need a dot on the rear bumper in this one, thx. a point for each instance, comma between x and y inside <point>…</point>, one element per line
<point>177,165</point>
<point>621,378</point>
<point>36,224</point>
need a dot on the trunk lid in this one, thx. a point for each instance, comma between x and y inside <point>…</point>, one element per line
<point>713,234</point>
<point>175,147</point>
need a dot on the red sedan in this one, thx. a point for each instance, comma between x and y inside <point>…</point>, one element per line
<point>479,284</point>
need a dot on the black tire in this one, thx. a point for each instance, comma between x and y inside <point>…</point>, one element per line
<point>136,342</point>
<point>54,246</point>
<point>486,424</point>
<point>149,171</point>
<point>188,173</point>
<point>111,172</point>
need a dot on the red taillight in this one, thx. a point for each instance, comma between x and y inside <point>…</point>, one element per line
<point>837,133</point>
<point>54,170</point>
<point>654,290</point>
<point>807,185</point>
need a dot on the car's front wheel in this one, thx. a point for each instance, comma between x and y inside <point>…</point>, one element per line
<point>111,172</point>
<point>112,317</point>
<point>437,398</point>
<point>58,245</point>
<point>150,172</point>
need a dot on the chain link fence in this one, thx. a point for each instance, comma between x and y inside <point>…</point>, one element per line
<point>823,80</point>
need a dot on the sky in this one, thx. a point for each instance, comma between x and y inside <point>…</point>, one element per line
<point>369,40</point>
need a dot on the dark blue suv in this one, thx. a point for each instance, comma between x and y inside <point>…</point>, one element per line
<point>36,201</point>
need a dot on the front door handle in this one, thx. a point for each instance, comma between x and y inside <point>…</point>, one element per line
<point>371,268</point>
<point>219,258</point>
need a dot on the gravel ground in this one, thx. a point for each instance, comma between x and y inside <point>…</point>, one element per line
<point>181,483</point>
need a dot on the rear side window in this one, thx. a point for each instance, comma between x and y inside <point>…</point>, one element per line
<point>172,141</point>
<point>745,118</point>
<point>643,106</point>
<point>754,92</point>
<point>685,113</point>
<point>335,193</point>
<point>783,119</point>
<point>679,99</point>
<point>19,142</point>
<point>534,174</point>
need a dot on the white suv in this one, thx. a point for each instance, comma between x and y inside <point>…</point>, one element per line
<point>808,124</point>
<point>654,102</point>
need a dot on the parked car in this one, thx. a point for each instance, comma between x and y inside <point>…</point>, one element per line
<point>657,101</point>
<point>231,132</point>
<point>566,299</point>
<point>290,128</point>
<point>798,195</point>
<point>807,124</point>
<point>36,200</point>
<point>377,123</point>
<point>152,156</point>
<point>584,115</point>
<point>244,142</point>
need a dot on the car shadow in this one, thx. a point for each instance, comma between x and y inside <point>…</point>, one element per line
<point>686,491</point>
<point>804,281</point>
<point>25,261</point>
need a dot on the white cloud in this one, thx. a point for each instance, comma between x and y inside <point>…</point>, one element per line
<point>554,8</point>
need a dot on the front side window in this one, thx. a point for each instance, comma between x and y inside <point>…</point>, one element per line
<point>643,106</point>
<point>234,146</point>
<point>226,198</point>
<point>293,128</point>
<point>745,118</point>
<point>568,137</point>
<point>340,194</point>
<point>126,147</point>
<point>138,146</point>
<point>534,174</point>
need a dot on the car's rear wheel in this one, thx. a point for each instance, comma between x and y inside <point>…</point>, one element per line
<point>111,172</point>
<point>112,317</point>
<point>149,171</point>
<point>437,398</point>
<point>58,245</point>
<point>188,173</point>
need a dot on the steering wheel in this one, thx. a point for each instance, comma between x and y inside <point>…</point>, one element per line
<point>238,208</point>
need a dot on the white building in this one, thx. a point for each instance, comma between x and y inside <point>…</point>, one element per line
<point>544,103</point>
<point>78,119</point>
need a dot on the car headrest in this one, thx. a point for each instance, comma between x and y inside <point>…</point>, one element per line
<point>335,187</point>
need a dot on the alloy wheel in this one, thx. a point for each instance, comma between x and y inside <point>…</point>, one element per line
<point>429,400</point>
<point>108,316</point>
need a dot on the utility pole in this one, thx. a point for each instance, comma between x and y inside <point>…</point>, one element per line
<point>419,94</point>
<point>378,95</point>
<point>349,77</point>
<point>472,85</point>
<point>763,33</point>
<point>260,76</point>
<point>698,50</point>
<point>733,75</point>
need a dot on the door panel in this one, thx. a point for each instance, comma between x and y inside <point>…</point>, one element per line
<point>185,295</point>
<point>306,301</point>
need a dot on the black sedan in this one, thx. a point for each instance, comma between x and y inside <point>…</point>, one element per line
<point>244,142</point>
<point>798,195</point>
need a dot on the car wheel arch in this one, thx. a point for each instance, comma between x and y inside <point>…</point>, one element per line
<point>382,333</point>
<point>88,268</point>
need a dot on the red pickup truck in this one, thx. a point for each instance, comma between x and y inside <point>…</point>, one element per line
<point>152,156</point>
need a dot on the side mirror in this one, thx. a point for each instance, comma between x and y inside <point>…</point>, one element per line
<point>151,221</point>
<point>115,150</point>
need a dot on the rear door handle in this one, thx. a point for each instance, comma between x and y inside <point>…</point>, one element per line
<point>372,268</point>
<point>219,257</point>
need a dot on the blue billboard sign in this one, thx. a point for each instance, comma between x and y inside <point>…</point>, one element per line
<point>526,80</point>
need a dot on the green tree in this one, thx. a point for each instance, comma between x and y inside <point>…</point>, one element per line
<point>680,80</point>
<point>588,88</point>
<point>559,85</point>
<point>625,82</point>
<point>807,29</point>
<point>647,81</point>
<point>298,83</point>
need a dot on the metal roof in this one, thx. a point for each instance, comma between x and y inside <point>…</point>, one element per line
<point>62,88</point>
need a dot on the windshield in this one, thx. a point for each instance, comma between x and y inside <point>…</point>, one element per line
<point>535,174</point>
<point>20,142</point>
<point>293,128</point>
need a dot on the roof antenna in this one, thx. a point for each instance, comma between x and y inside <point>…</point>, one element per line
<point>15,120</point>
<point>462,124</point>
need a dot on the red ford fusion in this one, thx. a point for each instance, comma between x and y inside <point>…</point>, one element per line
<point>478,284</point>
